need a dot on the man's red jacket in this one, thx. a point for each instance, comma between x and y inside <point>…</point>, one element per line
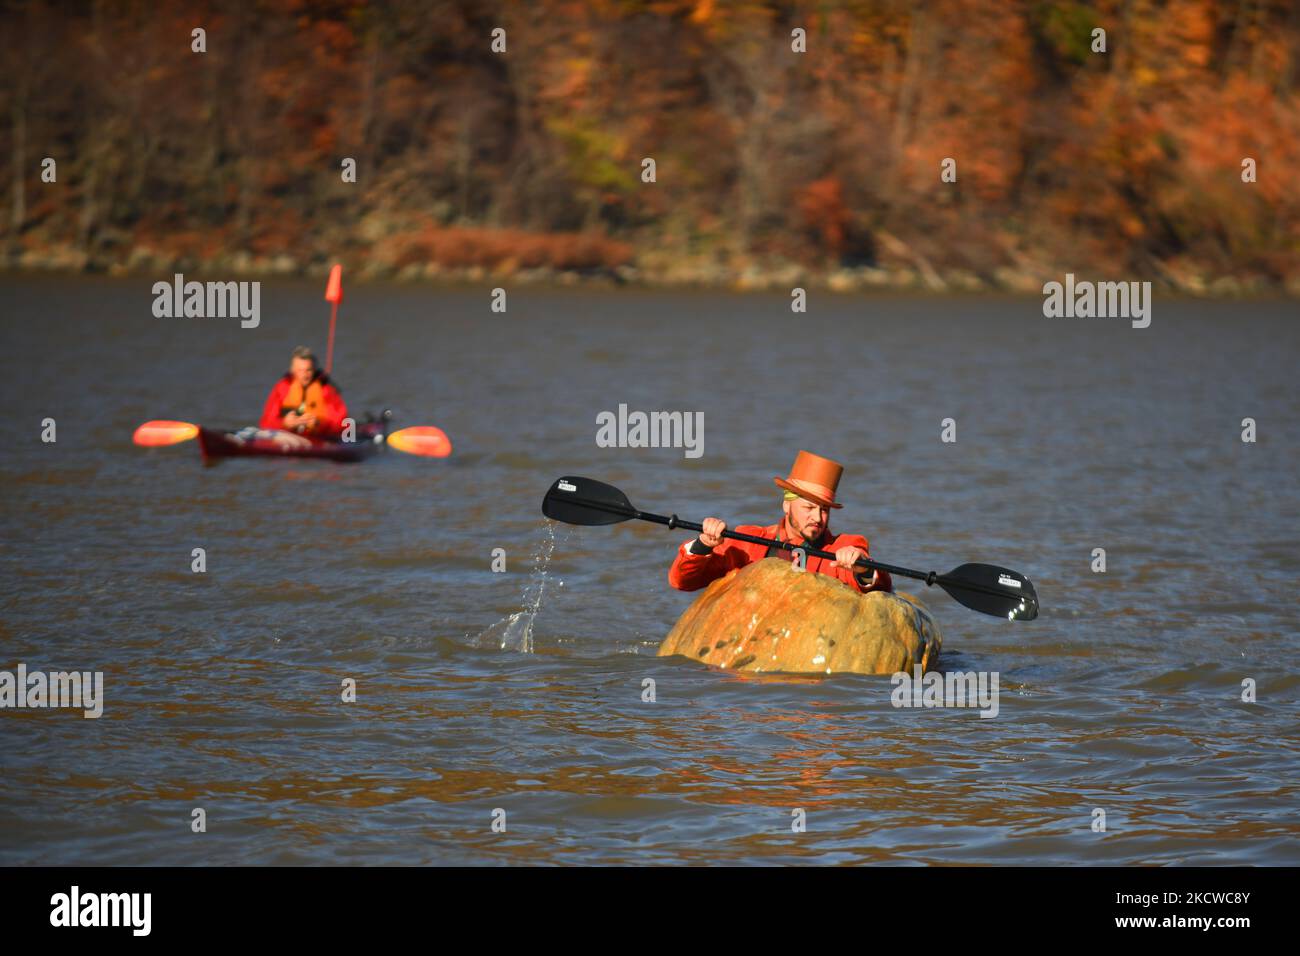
<point>325,403</point>
<point>690,572</point>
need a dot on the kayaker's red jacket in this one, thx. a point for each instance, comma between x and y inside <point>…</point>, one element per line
<point>322,399</point>
<point>690,571</point>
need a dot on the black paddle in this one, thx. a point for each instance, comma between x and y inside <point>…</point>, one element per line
<point>986,588</point>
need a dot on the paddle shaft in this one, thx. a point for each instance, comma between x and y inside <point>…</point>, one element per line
<point>676,522</point>
<point>573,500</point>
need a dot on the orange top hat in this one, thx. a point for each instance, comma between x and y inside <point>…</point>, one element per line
<point>813,478</point>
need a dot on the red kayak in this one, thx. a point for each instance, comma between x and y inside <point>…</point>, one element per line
<point>214,444</point>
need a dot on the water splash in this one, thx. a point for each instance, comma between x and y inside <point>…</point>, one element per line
<point>515,632</point>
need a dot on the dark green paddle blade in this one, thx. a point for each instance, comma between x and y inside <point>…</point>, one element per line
<point>586,501</point>
<point>990,589</point>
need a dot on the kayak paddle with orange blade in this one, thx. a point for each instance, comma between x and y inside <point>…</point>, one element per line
<point>424,440</point>
<point>163,432</point>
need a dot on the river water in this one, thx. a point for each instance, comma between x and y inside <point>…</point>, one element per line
<point>522,691</point>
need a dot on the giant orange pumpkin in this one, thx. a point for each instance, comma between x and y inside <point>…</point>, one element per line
<point>767,616</point>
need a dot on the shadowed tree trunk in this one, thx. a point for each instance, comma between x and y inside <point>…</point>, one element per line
<point>18,157</point>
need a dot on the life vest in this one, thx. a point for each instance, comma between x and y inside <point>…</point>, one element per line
<point>312,403</point>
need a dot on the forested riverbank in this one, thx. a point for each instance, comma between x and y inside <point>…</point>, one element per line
<point>791,144</point>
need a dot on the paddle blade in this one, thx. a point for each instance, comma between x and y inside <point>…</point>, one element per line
<point>422,440</point>
<point>586,501</point>
<point>990,589</point>
<point>162,432</point>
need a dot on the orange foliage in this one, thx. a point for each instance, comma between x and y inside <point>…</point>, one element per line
<point>509,249</point>
<point>823,212</point>
<point>1132,156</point>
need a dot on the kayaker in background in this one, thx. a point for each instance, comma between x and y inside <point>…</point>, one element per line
<point>809,496</point>
<point>304,400</point>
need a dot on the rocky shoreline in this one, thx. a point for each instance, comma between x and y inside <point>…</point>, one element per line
<point>649,271</point>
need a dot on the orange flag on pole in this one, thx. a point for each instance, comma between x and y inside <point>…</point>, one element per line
<point>333,295</point>
<point>334,288</point>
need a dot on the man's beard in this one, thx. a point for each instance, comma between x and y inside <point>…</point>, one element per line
<point>817,531</point>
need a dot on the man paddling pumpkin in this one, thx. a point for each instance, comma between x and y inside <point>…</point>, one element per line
<point>304,400</point>
<point>809,496</point>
